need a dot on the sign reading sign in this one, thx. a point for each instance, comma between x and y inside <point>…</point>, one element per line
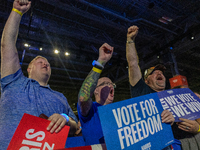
<point>31,133</point>
<point>135,124</point>
<point>183,103</point>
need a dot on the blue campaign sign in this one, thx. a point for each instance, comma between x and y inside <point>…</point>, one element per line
<point>135,124</point>
<point>183,103</point>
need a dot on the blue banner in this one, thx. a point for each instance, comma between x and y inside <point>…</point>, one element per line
<point>135,124</point>
<point>183,103</point>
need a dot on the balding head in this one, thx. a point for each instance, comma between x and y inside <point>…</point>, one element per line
<point>104,92</point>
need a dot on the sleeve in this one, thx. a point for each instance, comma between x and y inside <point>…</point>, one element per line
<point>90,114</point>
<point>70,112</point>
<point>72,115</point>
<point>6,81</point>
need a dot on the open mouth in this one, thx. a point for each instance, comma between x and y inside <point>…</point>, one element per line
<point>112,92</point>
<point>44,68</point>
<point>159,77</point>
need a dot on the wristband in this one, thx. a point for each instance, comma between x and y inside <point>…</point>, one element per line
<point>199,129</point>
<point>129,42</point>
<point>17,11</point>
<point>65,116</point>
<point>97,65</point>
<point>96,70</point>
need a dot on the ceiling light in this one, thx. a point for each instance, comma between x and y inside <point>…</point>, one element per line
<point>67,54</point>
<point>26,45</point>
<point>56,51</point>
<point>168,19</point>
<point>163,21</point>
<point>40,48</point>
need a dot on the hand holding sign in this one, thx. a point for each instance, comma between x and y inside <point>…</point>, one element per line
<point>188,125</point>
<point>57,123</point>
<point>167,117</point>
<point>31,133</point>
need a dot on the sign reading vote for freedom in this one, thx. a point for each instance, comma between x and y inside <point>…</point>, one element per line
<point>135,124</point>
<point>31,134</point>
<point>183,103</point>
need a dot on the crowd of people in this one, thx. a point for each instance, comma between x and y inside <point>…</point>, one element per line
<point>33,95</point>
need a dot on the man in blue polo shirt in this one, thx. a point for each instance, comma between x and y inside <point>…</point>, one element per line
<point>27,95</point>
<point>103,90</point>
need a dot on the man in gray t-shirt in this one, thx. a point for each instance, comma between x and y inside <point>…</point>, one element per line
<point>27,95</point>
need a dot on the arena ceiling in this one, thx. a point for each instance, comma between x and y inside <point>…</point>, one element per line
<point>80,27</point>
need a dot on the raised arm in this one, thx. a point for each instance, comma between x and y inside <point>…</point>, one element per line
<point>132,57</point>
<point>89,84</point>
<point>9,56</point>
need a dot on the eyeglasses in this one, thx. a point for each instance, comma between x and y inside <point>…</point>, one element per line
<point>108,84</point>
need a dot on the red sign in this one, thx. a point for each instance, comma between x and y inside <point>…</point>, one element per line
<point>31,133</point>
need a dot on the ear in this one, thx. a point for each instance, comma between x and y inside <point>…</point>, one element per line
<point>28,70</point>
<point>95,91</point>
<point>146,81</point>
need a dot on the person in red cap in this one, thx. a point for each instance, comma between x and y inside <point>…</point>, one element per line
<point>154,80</point>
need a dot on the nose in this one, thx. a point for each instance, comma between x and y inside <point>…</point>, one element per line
<point>160,72</point>
<point>45,64</point>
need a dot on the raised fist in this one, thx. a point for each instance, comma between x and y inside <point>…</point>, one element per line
<point>132,33</point>
<point>22,5</point>
<point>105,53</point>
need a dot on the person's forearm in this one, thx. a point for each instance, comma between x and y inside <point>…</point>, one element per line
<point>88,86</point>
<point>9,55</point>
<point>133,64</point>
<point>131,54</point>
<point>86,92</point>
<point>73,127</point>
<point>11,29</point>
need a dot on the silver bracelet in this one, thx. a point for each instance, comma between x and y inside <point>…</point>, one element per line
<point>129,42</point>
